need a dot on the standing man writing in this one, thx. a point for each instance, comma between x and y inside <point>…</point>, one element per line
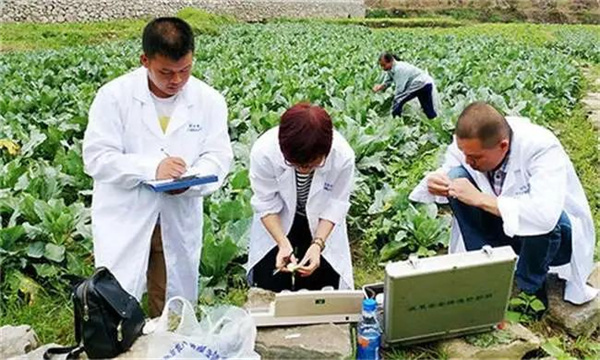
<point>156,122</point>
<point>510,182</point>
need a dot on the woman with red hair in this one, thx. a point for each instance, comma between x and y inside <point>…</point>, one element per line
<point>301,174</point>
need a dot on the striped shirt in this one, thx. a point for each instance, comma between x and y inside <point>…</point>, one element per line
<point>303,182</point>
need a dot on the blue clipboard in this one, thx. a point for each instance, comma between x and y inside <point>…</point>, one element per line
<point>181,183</point>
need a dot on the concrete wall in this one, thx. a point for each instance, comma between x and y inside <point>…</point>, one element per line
<point>93,10</point>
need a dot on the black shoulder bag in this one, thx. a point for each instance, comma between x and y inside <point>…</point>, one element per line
<point>107,318</point>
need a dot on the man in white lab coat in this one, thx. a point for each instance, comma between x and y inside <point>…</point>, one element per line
<point>156,122</point>
<point>510,182</point>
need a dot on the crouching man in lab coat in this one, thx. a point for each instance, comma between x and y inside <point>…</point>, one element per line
<point>156,122</point>
<point>301,173</point>
<point>510,182</point>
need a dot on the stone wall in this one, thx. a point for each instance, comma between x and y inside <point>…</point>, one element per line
<point>94,10</point>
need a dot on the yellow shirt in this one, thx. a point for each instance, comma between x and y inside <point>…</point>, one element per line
<point>164,122</point>
<point>164,110</point>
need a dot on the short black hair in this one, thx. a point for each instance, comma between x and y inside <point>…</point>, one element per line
<point>482,121</point>
<point>388,57</point>
<point>168,36</point>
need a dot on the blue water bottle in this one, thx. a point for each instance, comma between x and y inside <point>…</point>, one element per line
<point>369,332</point>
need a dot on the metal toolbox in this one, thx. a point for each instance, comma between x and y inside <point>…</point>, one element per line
<point>449,295</point>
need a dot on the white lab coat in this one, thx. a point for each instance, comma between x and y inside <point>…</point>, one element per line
<point>122,148</point>
<point>540,183</point>
<point>274,186</point>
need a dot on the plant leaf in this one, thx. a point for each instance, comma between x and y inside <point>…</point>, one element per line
<point>36,250</point>
<point>54,252</point>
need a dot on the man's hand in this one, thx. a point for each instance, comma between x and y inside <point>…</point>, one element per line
<point>438,183</point>
<point>463,190</point>
<point>170,168</point>
<point>285,256</point>
<point>378,88</point>
<point>311,261</point>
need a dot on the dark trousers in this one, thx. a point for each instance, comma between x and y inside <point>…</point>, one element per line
<point>536,253</point>
<point>425,97</point>
<point>300,238</point>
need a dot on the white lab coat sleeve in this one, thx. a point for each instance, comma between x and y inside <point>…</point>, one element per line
<point>537,210</point>
<point>217,154</point>
<point>339,204</point>
<point>266,198</point>
<point>104,154</point>
<point>420,193</point>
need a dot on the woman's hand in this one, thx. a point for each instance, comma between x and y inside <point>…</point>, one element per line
<point>311,260</point>
<point>285,255</point>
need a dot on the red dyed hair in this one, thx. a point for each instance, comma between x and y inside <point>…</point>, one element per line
<point>305,133</point>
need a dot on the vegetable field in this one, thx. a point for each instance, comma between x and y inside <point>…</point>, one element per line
<point>45,231</point>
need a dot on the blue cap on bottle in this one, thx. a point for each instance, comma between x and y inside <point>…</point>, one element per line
<point>369,304</point>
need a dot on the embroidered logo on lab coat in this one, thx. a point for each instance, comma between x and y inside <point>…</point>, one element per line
<point>524,189</point>
<point>194,127</point>
<point>328,186</point>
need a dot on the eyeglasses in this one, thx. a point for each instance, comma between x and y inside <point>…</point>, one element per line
<point>307,166</point>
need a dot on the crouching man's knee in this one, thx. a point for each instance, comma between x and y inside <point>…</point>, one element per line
<point>458,172</point>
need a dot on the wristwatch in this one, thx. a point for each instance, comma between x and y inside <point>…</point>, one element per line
<point>320,242</point>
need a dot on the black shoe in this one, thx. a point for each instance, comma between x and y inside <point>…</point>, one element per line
<point>542,295</point>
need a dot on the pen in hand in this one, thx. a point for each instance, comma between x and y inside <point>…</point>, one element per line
<point>174,161</point>
<point>164,152</point>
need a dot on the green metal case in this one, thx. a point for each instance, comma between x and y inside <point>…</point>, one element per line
<point>448,295</point>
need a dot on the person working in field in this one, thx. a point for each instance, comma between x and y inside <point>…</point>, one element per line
<point>510,182</point>
<point>301,173</point>
<point>156,122</point>
<point>410,82</point>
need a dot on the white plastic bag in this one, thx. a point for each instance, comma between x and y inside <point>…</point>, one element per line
<point>225,332</point>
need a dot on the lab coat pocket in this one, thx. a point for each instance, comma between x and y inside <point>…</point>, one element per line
<point>112,199</point>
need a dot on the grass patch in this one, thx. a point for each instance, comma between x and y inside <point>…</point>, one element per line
<point>402,23</point>
<point>33,36</point>
<point>379,23</point>
<point>367,269</point>
<point>580,140</point>
<point>51,317</point>
<point>486,15</point>
<point>203,22</point>
<point>491,14</point>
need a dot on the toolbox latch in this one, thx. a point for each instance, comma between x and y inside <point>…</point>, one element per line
<point>413,260</point>
<point>487,249</point>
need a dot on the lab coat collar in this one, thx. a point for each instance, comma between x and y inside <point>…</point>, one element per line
<point>142,90</point>
<point>179,116</point>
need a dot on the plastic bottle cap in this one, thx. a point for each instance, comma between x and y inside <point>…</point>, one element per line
<point>369,305</point>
